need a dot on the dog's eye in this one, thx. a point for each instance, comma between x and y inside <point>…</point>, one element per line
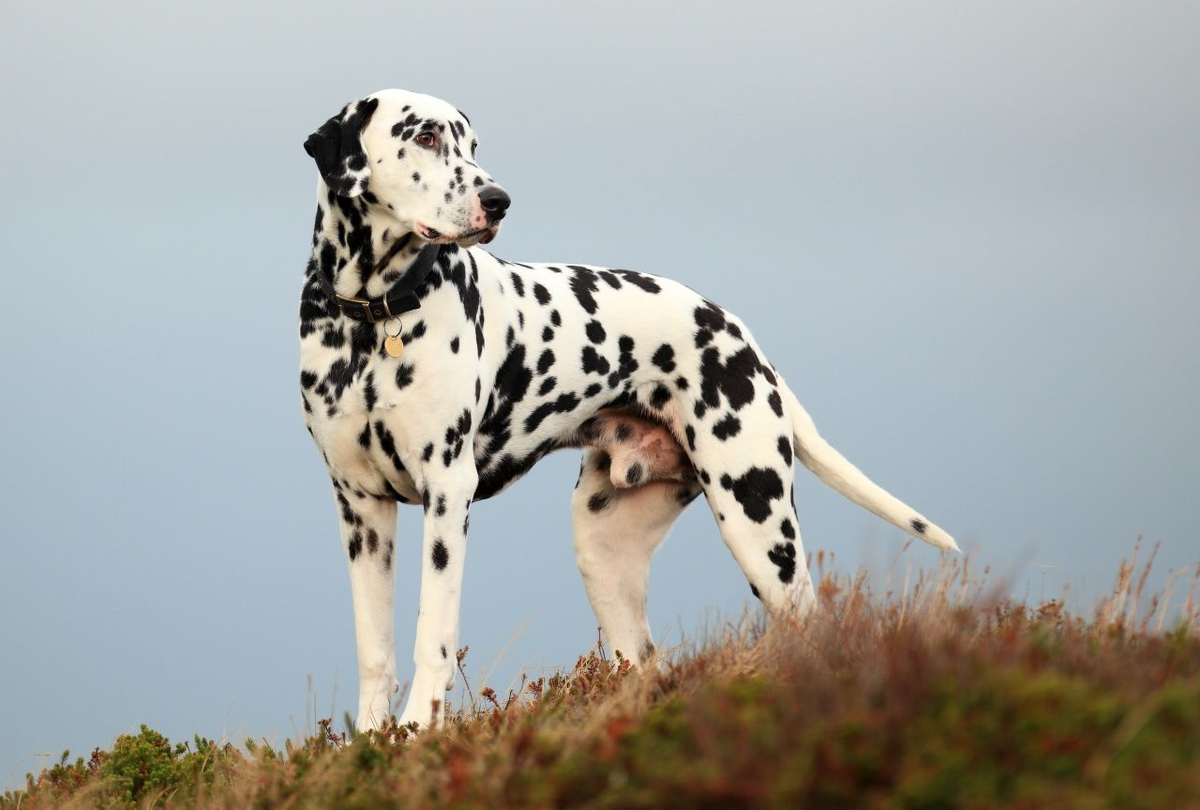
<point>427,139</point>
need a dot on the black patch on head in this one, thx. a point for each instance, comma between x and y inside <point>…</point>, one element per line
<point>337,148</point>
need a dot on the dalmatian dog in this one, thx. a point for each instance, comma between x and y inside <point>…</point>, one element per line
<point>435,373</point>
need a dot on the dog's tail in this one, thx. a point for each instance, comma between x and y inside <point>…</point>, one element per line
<point>835,471</point>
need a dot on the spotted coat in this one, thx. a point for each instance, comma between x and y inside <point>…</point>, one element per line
<point>505,362</point>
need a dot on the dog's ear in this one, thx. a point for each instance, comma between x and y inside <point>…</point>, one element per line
<point>337,148</point>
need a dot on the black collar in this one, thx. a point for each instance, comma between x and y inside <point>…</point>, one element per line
<point>400,298</point>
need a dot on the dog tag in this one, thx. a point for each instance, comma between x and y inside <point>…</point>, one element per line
<point>392,344</point>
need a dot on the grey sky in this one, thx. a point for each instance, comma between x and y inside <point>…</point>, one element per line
<point>968,234</point>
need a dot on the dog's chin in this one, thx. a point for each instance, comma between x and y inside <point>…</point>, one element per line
<point>462,239</point>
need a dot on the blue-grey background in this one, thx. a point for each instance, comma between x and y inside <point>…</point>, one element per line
<point>968,234</point>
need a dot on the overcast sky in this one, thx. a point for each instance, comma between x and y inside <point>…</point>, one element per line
<point>968,234</point>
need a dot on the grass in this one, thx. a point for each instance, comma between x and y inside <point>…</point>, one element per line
<point>940,696</point>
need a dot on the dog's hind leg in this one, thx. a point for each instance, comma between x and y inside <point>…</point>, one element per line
<point>368,526</point>
<point>616,534</point>
<point>740,442</point>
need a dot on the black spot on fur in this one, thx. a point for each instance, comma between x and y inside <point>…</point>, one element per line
<point>709,316</point>
<point>583,285</point>
<point>784,557</point>
<point>785,449</point>
<point>440,556</point>
<point>633,476</point>
<point>660,397</point>
<point>919,526</point>
<point>664,358</point>
<point>734,377</point>
<point>596,503</point>
<point>754,490</point>
<point>595,332</point>
<point>591,362</point>
<point>728,427</point>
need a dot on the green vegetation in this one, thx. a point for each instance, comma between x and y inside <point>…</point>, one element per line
<point>939,697</point>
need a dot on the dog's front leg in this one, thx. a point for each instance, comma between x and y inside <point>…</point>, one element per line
<point>368,526</point>
<point>447,495</point>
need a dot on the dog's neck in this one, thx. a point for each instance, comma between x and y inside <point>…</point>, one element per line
<point>360,250</point>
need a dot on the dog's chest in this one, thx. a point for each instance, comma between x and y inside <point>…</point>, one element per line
<point>356,411</point>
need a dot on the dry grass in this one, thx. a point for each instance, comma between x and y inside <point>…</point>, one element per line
<point>939,694</point>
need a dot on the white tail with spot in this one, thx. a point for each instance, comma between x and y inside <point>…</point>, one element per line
<point>835,471</point>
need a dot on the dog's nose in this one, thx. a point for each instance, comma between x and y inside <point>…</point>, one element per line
<point>495,202</point>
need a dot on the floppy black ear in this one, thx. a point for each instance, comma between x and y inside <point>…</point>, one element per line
<point>337,148</point>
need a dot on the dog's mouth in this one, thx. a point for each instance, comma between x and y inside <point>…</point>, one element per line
<point>465,238</point>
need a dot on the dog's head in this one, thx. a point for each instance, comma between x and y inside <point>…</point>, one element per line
<point>411,157</point>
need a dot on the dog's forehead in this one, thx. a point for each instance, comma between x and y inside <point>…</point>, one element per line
<point>399,105</point>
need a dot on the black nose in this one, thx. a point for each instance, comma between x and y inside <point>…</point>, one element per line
<point>494,201</point>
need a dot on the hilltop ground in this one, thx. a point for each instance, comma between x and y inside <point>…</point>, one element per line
<point>940,696</point>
